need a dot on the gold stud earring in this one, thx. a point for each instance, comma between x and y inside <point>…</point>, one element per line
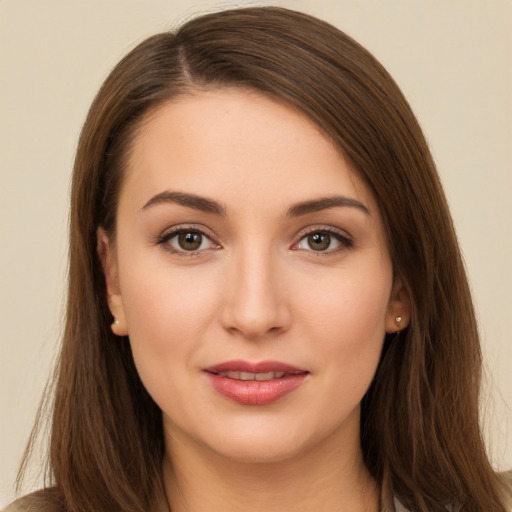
<point>118,328</point>
<point>398,320</point>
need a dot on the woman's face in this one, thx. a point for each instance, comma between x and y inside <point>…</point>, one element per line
<point>251,274</point>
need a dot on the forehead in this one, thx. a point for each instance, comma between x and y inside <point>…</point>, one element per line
<point>238,141</point>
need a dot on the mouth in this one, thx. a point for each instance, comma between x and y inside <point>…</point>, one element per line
<point>255,383</point>
<point>248,376</point>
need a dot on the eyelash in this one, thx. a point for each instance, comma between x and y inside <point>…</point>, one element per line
<point>345,241</point>
<point>169,235</point>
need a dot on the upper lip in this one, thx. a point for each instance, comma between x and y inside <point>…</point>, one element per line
<point>259,367</point>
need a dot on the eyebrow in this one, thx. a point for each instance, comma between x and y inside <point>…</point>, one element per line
<point>204,204</point>
<point>325,203</point>
<point>189,200</point>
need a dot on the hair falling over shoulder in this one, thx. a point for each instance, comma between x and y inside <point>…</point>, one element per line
<point>420,429</point>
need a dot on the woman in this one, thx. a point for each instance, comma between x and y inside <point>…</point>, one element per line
<point>267,307</point>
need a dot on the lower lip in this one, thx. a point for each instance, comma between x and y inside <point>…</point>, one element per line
<point>256,392</point>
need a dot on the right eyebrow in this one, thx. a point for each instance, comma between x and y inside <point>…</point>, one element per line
<point>193,201</point>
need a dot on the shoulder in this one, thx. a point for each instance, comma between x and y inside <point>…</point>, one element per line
<point>45,500</point>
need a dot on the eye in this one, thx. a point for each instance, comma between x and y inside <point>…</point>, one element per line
<point>186,240</point>
<point>324,241</point>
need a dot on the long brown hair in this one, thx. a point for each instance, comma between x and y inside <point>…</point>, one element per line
<point>420,430</point>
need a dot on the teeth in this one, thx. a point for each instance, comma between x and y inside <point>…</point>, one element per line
<point>264,376</point>
<point>251,376</point>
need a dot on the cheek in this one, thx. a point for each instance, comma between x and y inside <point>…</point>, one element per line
<point>167,313</point>
<point>347,317</point>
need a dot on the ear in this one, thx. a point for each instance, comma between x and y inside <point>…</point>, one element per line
<point>108,261</point>
<point>398,314</point>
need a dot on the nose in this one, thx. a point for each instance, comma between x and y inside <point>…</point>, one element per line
<point>255,305</point>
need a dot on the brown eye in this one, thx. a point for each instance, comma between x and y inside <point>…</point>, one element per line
<point>326,241</point>
<point>190,240</point>
<point>319,241</point>
<point>186,241</point>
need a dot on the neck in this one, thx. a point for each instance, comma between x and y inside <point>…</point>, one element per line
<point>331,478</point>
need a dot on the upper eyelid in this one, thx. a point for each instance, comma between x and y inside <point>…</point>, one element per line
<point>173,230</point>
<point>322,228</point>
<point>344,238</point>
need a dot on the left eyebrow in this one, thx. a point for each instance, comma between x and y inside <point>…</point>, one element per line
<point>325,203</point>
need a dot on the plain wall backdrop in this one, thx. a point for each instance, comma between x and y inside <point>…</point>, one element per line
<point>452,59</point>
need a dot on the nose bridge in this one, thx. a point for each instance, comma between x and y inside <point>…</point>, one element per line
<point>255,306</point>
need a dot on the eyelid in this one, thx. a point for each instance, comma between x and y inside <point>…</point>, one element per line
<point>173,231</point>
<point>342,236</point>
<point>345,239</point>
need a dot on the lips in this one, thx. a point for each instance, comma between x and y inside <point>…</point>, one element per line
<point>255,383</point>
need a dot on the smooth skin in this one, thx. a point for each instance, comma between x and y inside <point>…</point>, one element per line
<point>225,250</point>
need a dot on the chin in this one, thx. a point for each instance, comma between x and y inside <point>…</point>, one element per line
<point>273,443</point>
<point>260,453</point>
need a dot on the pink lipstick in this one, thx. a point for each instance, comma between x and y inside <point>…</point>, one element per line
<point>255,383</point>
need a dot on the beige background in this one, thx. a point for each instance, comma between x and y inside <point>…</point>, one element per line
<point>452,58</point>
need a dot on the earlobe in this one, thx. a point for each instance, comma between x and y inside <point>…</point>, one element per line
<point>108,261</point>
<point>398,314</point>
